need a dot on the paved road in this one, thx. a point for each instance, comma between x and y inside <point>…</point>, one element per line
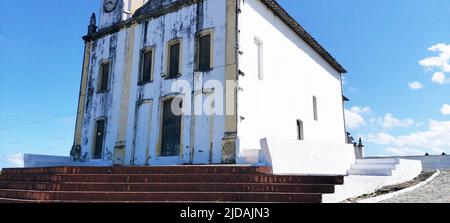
<point>438,191</point>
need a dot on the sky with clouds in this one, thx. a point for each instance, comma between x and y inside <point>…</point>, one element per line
<point>397,53</point>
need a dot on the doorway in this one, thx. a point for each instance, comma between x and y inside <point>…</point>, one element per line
<point>171,130</point>
<point>99,139</point>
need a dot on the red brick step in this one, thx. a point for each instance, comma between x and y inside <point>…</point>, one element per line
<point>162,196</point>
<point>166,178</point>
<point>160,184</point>
<point>170,187</point>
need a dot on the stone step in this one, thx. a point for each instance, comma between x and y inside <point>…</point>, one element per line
<point>374,166</point>
<point>161,196</point>
<point>219,169</point>
<point>10,200</point>
<point>160,184</point>
<point>370,172</point>
<point>378,161</point>
<point>174,178</point>
<point>169,187</point>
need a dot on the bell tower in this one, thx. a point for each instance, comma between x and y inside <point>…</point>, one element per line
<point>114,11</point>
<point>111,12</point>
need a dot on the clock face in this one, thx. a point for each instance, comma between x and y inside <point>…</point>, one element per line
<point>109,5</point>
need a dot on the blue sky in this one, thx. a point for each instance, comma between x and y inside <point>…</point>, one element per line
<point>398,96</point>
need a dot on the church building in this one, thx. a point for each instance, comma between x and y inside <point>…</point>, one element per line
<point>205,101</point>
<point>180,82</point>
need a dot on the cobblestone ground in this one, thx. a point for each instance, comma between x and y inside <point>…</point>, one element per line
<point>438,191</point>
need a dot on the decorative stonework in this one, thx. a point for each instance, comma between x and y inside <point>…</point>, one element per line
<point>75,153</point>
<point>229,148</point>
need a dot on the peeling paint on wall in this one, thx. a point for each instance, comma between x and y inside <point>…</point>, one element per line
<point>182,23</point>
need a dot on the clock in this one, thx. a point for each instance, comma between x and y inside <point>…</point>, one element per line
<point>109,5</point>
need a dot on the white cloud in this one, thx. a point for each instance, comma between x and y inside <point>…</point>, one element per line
<point>440,62</point>
<point>354,118</point>
<point>415,85</point>
<point>440,78</point>
<point>445,109</point>
<point>389,121</point>
<point>434,139</point>
<point>359,109</point>
<point>381,138</point>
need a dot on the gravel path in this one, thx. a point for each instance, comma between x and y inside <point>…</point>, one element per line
<point>437,191</point>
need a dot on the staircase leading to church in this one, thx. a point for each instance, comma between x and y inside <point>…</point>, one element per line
<point>161,184</point>
<point>370,174</point>
<point>375,167</point>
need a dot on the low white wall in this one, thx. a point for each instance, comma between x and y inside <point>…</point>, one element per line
<point>301,157</point>
<point>32,161</point>
<point>428,162</point>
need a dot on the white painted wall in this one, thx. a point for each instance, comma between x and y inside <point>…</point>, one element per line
<point>301,157</point>
<point>143,128</point>
<point>293,74</point>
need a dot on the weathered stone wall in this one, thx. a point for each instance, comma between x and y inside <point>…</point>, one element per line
<point>139,105</point>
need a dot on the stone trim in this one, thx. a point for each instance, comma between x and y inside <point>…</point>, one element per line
<point>141,15</point>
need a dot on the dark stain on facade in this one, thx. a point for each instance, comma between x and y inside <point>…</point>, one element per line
<point>101,104</point>
<point>199,18</point>
<point>145,33</point>
<point>153,5</point>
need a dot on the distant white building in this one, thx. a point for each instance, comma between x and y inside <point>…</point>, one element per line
<point>275,91</point>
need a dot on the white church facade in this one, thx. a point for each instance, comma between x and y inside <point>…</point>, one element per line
<point>274,92</point>
<point>233,97</point>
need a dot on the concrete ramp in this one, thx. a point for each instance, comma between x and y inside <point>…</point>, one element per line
<point>368,175</point>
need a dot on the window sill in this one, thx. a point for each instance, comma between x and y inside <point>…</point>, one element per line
<point>144,83</point>
<point>173,77</point>
<point>205,70</point>
<point>168,157</point>
<point>102,92</point>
